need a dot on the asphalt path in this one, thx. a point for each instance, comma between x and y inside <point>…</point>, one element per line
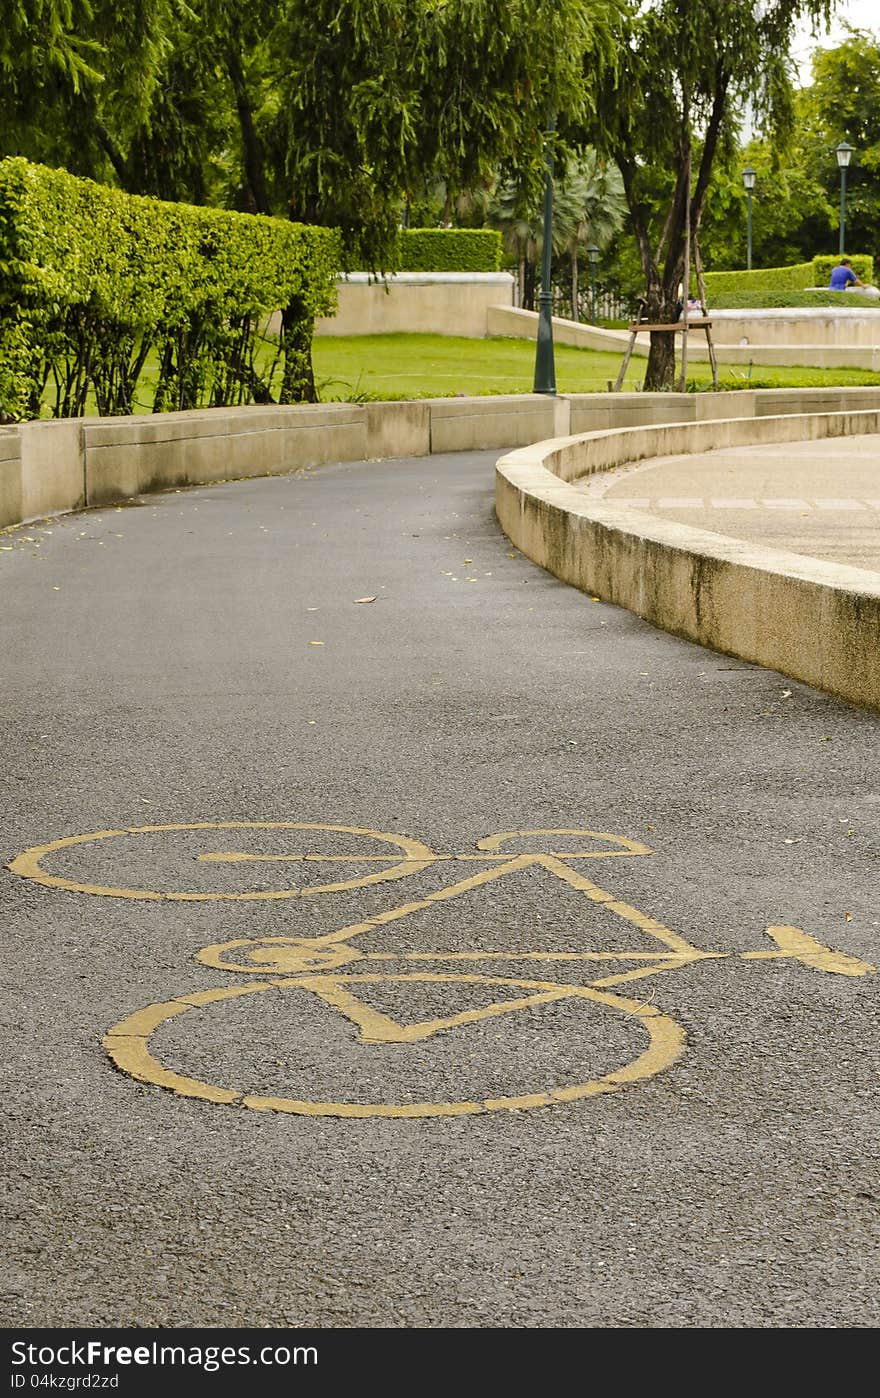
<point>202,657</point>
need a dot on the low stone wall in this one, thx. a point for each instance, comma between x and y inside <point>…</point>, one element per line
<point>831,326</point>
<point>817,353</point>
<point>435,303</point>
<point>51,467</point>
<point>818,622</point>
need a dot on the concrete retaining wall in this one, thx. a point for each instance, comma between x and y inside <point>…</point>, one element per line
<point>818,622</point>
<point>48,468</point>
<point>435,303</point>
<point>512,321</point>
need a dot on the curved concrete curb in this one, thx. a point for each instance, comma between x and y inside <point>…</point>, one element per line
<point>818,622</point>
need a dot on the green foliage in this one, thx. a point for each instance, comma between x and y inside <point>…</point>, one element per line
<point>795,278</point>
<point>761,300</point>
<point>449,250</point>
<point>450,90</point>
<point>843,102</point>
<point>862,265</point>
<point>95,280</point>
<point>793,215</point>
<point>686,70</point>
<point>762,282</point>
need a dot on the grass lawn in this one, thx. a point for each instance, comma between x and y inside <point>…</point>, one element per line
<point>359,367</point>
<point>443,366</point>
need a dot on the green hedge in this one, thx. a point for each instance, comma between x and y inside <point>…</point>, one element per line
<point>761,300</point>
<point>862,265</point>
<point>96,282</point>
<point>449,250</point>
<point>794,278</point>
<point>798,277</point>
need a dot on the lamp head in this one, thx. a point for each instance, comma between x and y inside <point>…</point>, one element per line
<point>749,176</point>
<point>844,154</point>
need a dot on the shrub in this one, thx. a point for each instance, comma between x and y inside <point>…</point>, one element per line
<point>94,281</point>
<point>449,250</point>
<point>762,300</point>
<point>862,265</point>
<point>794,278</point>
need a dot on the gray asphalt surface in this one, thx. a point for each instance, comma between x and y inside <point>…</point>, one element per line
<point>158,669</point>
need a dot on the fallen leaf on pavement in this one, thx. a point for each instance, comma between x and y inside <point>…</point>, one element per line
<point>365,599</point>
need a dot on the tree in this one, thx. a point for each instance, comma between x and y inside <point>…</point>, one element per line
<point>843,102</point>
<point>793,215</point>
<point>589,207</point>
<point>686,70</point>
<point>459,89</point>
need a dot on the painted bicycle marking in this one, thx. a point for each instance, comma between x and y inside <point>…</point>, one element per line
<point>333,967</point>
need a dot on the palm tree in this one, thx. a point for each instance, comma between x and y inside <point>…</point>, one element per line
<point>588,207</point>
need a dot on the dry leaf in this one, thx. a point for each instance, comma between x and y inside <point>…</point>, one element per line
<point>848,917</point>
<point>316,643</point>
<point>365,599</point>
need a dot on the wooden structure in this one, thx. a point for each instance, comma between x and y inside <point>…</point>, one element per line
<point>679,327</point>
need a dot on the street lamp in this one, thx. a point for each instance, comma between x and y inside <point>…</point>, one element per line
<point>749,177</point>
<point>593,255</point>
<point>844,156</point>
<point>545,369</point>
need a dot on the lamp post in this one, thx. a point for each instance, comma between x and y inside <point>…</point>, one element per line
<point>844,155</point>
<point>545,369</point>
<point>593,255</point>
<point>749,176</point>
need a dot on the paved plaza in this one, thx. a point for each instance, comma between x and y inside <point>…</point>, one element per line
<point>820,499</point>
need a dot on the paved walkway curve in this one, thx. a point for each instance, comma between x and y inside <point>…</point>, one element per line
<point>210,658</point>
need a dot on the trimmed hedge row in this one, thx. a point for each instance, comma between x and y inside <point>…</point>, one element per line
<point>94,283</point>
<point>797,277</point>
<point>449,250</point>
<point>762,300</point>
<point>794,278</point>
<point>862,265</point>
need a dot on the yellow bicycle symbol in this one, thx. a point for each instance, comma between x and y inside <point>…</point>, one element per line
<point>339,973</point>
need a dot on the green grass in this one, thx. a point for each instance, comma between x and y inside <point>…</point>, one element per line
<point>441,366</point>
<point>362,367</point>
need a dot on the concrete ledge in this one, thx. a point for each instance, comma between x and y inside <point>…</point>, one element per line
<point>398,430</point>
<point>475,424</point>
<point>439,303</point>
<point>832,352</point>
<point>52,467</point>
<point>127,456</point>
<point>818,622</point>
<point>10,477</point>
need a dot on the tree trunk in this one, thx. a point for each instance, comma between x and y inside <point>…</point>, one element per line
<point>251,143</point>
<point>660,373</point>
<point>298,376</point>
<point>574,285</point>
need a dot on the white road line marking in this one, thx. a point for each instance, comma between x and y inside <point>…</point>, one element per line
<point>734,504</point>
<point>785,504</point>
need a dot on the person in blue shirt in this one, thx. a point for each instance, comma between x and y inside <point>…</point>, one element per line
<point>843,276</point>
